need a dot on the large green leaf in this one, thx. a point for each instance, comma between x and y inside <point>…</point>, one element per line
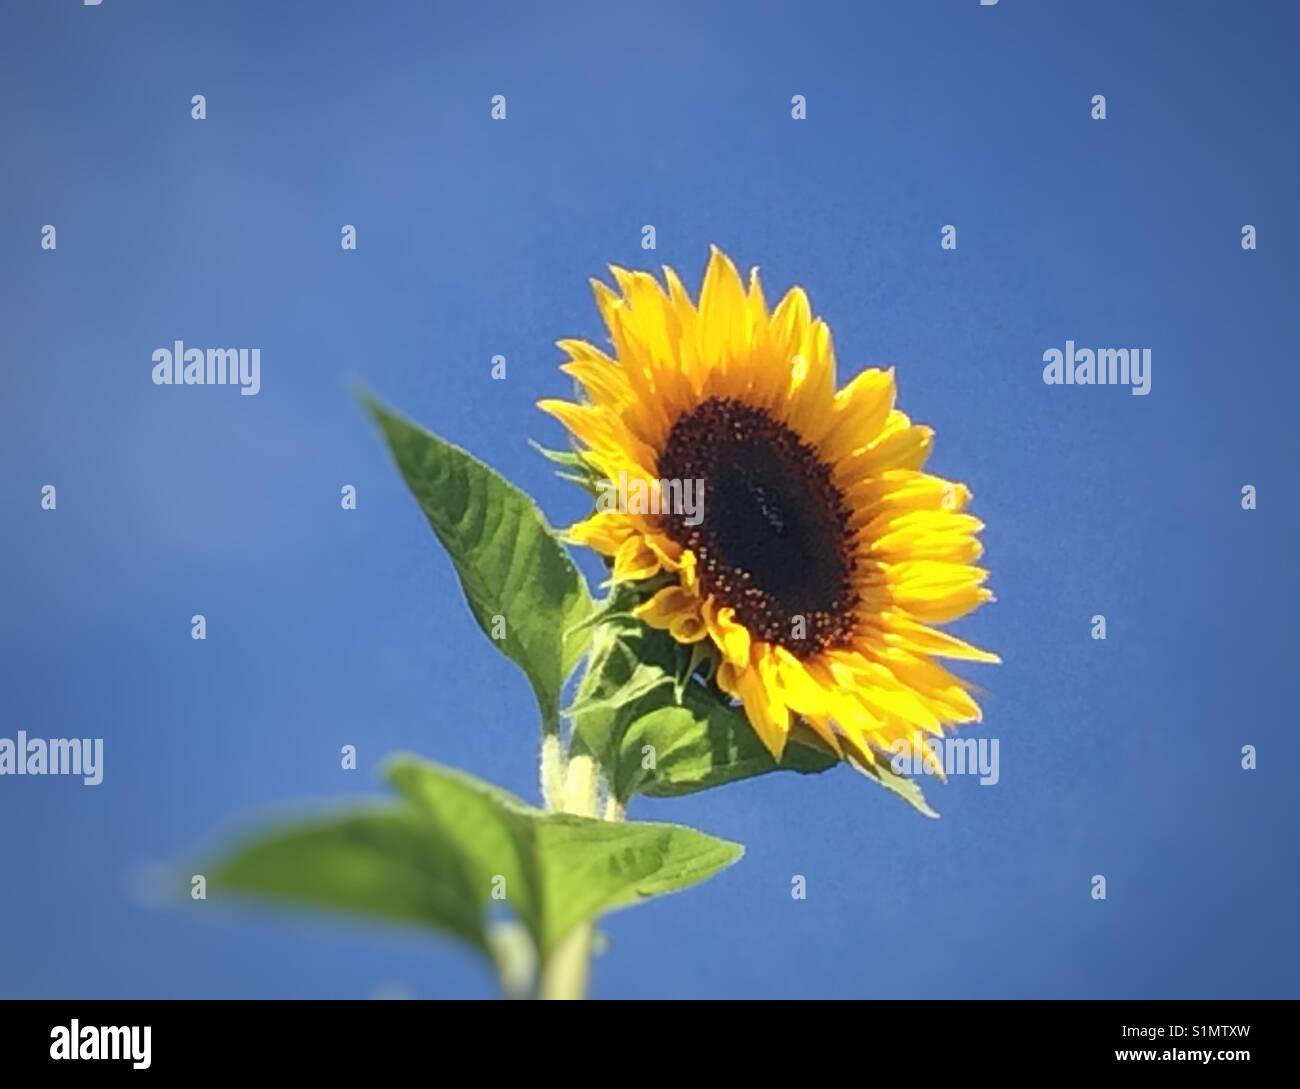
<point>567,869</point>
<point>495,831</point>
<point>593,867</point>
<point>450,845</point>
<point>387,863</point>
<point>509,562</point>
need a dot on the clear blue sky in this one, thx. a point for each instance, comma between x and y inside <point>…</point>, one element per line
<point>475,239</point>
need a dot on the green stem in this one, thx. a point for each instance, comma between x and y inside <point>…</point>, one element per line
<point>564,976</point>
<point>565,972</point>
<point>552,771</point>
<point>580,783</point>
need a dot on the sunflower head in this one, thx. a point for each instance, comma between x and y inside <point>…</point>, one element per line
<point>803,546</point>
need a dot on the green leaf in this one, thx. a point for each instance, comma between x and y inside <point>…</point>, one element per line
<point>436,854</point>
<point>495,831</point>
<point>509,562</point>
<point>559,870</point>
<point>700,745</point>
<point>620,679</point>
<point>632,670</point>
<point>593,867</point>
<point>582,472</point>
<point>634,694</point>
<point>637,692</point>
<point>384,862</point>
<point>705,744</point>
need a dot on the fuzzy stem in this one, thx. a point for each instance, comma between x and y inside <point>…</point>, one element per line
<point>580,783</point>
<point>564,974</point>
<point>552,771</point>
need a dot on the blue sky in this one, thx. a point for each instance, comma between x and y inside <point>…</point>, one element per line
<point>476,238</point>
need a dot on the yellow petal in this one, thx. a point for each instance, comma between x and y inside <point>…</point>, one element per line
<point>899,448</point>
<point>732,638</point>
<point>668,605</point>
<point>808,406</point>
<point>688,629</point>
<point>723,328</point>
<point>801,692</point>
<point>861,409</point>
<point>758,689</point>
<point>634,560</point>
<point>929,640</point>
<point>604,531</point>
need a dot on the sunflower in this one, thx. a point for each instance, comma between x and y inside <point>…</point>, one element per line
<point>822,556</point>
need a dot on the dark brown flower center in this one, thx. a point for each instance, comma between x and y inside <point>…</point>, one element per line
<point>774,540</point>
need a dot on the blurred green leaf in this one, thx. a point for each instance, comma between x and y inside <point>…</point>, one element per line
<point>451,844</point>
<point>509,562</point>
<point>494,831</point>
<point>387,863</point>
<point>560,870</point>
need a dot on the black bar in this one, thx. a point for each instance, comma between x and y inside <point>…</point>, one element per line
<point>365,1037</point>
